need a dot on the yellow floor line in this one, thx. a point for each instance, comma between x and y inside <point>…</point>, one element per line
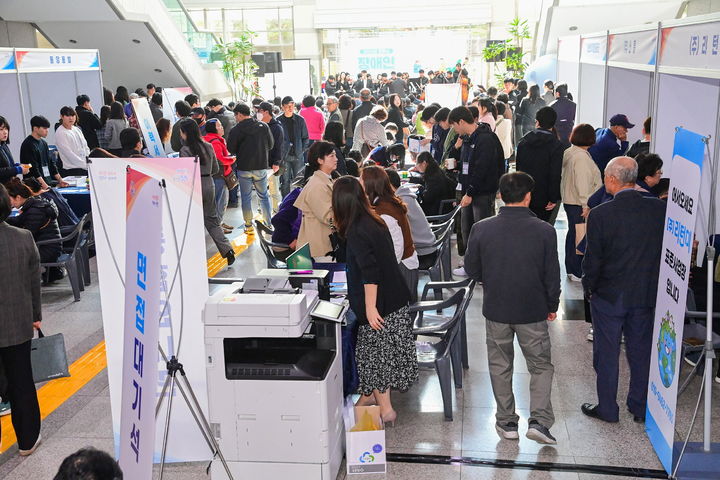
<point>56,392</point>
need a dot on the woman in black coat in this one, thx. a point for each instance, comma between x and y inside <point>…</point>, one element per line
<point>21,311</point>
<point>437,185</point>
<point>8,167</point>
<point>378,296</point>
<point>39,216</point>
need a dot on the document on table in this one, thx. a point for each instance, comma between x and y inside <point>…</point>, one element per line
<point>415,146</point>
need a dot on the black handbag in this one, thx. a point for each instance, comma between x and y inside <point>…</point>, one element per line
<point>231,180</point>
<point>48,357</point>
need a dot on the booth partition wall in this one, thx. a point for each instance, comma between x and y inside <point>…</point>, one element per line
<point>630,76</point>
<point>41,82</point>
<point>592,86</point>
<point>568,63</point>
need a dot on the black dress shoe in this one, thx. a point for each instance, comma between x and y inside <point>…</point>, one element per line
<point>591,410</point>
<point>637,418</point>
<point>230,257</point>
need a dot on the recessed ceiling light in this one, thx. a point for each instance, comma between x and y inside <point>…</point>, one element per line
<point>158,70</point>
<point>72,41</point>
<point>573,28</point>
<point>135,40</point>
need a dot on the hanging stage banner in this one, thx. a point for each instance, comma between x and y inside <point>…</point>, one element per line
<point>680,221</point>
<point>140,336</point>
<point>446,94</point>
<point>183,315</point>
<point>147,125</point>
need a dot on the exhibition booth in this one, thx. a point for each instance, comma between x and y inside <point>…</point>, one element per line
<point>37,81</point>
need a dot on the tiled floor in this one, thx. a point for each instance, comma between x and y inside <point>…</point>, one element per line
<point>85,418</point>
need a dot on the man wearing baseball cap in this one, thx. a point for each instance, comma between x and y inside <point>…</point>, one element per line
<point>611,142</point>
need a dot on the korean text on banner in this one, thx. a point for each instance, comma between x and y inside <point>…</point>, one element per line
<point>147,125</point>
<point>182,180</point>
<point>680,220</point>
<point>140,337</point>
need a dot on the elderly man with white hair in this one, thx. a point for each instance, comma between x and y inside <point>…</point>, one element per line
<point>620,278</point>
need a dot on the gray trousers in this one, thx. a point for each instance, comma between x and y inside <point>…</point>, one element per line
<point>210,216</point>
<point>482,206</point>
<point>534,342</point>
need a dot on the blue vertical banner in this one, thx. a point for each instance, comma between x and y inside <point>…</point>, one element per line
<point>141,324</point>
<point>147,126</point>
<point>680,220</point>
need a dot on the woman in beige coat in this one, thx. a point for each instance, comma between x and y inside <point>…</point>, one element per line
<point>580,179</point>
<point>315,200</point>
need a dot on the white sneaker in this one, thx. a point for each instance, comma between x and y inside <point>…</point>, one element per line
<point>590,337</point>
<point>574,278</point>
<point>460,272</point>
<point>717,379</point>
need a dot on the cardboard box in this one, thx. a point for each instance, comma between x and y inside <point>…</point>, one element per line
<point>365,450</point>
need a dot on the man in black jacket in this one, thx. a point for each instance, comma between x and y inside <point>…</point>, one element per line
<point>363,81</point>
<point>275,159</point>
<point>565,109</point>
<point>251,141</point>
<point>295,145</point>
<point>540,154</point>
<point>481,163</point>
<point>515,257</point>
<point>620,277</point>
<point>88,122</point>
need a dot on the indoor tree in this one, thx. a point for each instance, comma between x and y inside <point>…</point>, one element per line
<point>510,51</point>
<point>238,64</point>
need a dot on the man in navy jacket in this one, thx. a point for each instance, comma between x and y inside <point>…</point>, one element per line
<point>620,277</point>
<point>611,142</point>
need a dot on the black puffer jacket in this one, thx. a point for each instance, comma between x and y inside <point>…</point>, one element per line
<point>251,141</point>
<point>540,154</point>
<point>40,217</point>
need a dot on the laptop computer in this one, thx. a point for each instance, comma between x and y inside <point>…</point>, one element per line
<point>300,258</point>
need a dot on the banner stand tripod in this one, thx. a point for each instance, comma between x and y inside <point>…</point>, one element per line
<point>703,459</point>
<point>174,367</point>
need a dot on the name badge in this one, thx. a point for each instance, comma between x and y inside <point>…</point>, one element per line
<point>46,171</point>
<point>466,168</point>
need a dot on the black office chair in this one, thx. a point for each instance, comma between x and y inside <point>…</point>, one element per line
<point>70,260</point>
<point>264,235</point>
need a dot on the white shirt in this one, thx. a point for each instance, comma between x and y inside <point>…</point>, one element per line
<point>412,262</point>
<point>72,147</point>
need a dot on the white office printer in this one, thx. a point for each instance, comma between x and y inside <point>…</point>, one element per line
<point>275,385</point>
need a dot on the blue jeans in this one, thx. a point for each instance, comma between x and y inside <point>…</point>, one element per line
<point>258,179</point>
<point>221,196</point>
<point>293,166</point>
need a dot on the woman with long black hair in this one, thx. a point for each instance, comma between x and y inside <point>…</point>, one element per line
<point>379,297</point>
<point>195,146</point>
<point>8,167</point>
<point>395,115</point>
<point>113,126</point>
<point>335,134</point>
<point>526,111</point>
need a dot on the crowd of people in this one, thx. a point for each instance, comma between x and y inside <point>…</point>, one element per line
<point>326,173</point>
